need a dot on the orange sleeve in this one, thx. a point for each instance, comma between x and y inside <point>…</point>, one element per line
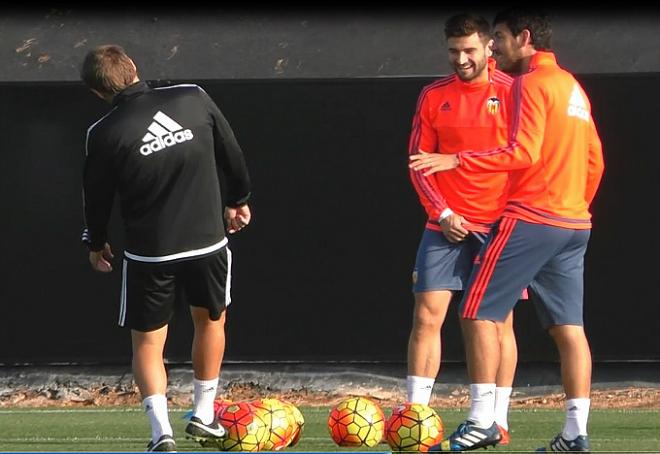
<point>423,137</point>
<point>527,128</point>
<point>596,163</point>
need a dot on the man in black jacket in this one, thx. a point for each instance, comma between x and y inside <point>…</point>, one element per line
<point>165,151</point>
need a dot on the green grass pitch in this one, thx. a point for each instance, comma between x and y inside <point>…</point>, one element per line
<point>127,429</point>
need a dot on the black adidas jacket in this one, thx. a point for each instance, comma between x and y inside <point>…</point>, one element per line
<point>163,151</point>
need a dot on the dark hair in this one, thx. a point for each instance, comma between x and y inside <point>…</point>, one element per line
<point>465,25</point>
<point>107,69</point>
<point>537,22</point>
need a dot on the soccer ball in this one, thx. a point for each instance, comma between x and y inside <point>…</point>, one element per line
<point>246,431</point>
<point>279,422</point>
<point>413,427</point>
<point>219,405</point>
<point>357,421</point>
<point>299,420</point>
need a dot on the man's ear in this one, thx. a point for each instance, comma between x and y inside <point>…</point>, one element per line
<point>489,48</point>
<point>524,38</point>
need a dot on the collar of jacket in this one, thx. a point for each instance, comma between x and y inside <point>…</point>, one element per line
<point>130,92</point>
<point>542,57</point>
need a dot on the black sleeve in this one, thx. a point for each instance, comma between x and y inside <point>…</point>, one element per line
<point>99,184</point>
<point>229,156</point>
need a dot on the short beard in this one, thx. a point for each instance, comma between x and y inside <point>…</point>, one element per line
<point>513,68</point>
<point>479,69</point>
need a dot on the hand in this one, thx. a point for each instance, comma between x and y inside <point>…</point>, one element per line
<point>433,162</point>
<point>237,218</point>
<point>100,259</point>
<point>452,228</point>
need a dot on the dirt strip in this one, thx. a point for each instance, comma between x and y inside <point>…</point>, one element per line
<point>127,395</point>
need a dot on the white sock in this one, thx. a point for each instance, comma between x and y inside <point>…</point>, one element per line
<point>502,397</point>
<point>156,408</point>
<point>203,398</point>
<point>482,406</point>
<point>577,414</point>
<point>419,389</point>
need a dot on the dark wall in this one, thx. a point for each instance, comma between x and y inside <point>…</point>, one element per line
<point>323,272</point>
<point>49,43</point>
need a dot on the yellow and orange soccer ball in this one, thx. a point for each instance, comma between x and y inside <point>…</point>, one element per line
<point>279,421</point>
<point>413,427</point>
<point>259,425</point>
<point>356,421</point>
<point>246,430</point>
<point>299,425</point>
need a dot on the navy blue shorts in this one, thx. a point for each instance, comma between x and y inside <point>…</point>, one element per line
<point>442,265</point>
<point>150,291</point>
<point>518,254</point>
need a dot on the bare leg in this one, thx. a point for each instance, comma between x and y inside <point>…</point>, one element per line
<point>151,378</point>
<point>505,375</point>
<point>148,367</point>
<point>575,357</point>
<point>508,353</point>
<point>208,349</point>
<point>424,343</point>
<point>481,350</point>
<point>208,346</point>
<point>483,358</point>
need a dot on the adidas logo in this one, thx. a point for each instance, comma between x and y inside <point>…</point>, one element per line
<point>576,105</point>
<point>446,107</point>
<point>163,132</point>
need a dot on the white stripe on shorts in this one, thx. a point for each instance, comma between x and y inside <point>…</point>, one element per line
<point>228,283</point>
<point>122,303</point>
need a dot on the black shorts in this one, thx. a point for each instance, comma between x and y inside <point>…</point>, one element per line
<point>149,291</point>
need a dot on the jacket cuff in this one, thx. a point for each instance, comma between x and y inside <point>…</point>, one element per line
<point>239,202</point>
<point>86,239</point>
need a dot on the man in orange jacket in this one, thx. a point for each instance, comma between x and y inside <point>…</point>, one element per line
<point>555,163</point>
<point>462,110</point>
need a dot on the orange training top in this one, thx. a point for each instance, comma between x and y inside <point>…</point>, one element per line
<point>451,116</point>
<point>554,155</point>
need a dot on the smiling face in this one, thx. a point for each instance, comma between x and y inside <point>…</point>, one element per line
<point>508,50</point>
<point>468,55</point>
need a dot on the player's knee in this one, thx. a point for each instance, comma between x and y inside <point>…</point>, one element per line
<point>426,321</point>
<point>567,333</point>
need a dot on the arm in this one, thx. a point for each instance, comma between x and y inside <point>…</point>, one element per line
<point>526,130</point>
<point>596,164</point>
<point>229,156</point>
<point>423,137</point>
<point>99,185</point>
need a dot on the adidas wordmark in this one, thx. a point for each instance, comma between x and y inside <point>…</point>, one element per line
<point>163,132</point>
